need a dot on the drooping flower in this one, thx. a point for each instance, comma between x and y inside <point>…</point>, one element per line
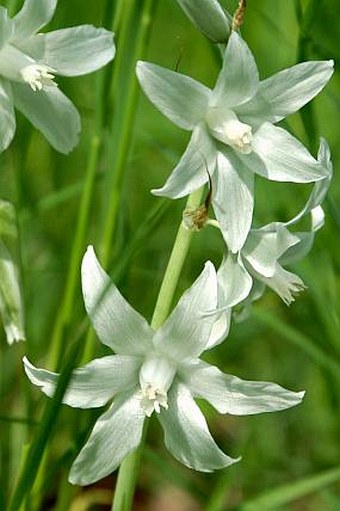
<point>29,62</point>
<point>154,371</point>
<point>233,131</point>
<point>267,250</point>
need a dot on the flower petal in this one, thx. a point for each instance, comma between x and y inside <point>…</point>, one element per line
<point>6,27</point>
<point>233,198</point>
<point>117,324</point>
<point>279,156</point>
<point>92,385</point>
<point>229,394</point>
<point>284,283</point>
<point>33,15</point>
<point>220,329</point>
<point>186,332</point>
<point>115,434</point>
<point>192,171</point>
<point>234,282</point>
<point>74,51</point>
<point>51,112</point>
<point>266,245</point>
<point>286,92</point>
<point>321,187</point>
<point>186,433</point>
<point>180,98</point>
<point>238,80</point>
<point>7,117</point>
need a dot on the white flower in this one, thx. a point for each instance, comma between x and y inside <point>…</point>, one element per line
<point>154,372</point>
<point>233,131</point>
<point>260,262</point>
<point>29,62</point>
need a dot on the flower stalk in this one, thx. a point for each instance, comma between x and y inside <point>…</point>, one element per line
<point>128,471</point>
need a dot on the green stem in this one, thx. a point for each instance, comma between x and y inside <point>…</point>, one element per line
<point>127,476</point>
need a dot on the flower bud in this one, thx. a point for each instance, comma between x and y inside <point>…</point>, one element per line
<point>209,17</point>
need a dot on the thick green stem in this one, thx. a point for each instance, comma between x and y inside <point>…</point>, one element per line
<point>127,476</point>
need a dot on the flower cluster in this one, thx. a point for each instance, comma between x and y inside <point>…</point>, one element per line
<point>234,137</point>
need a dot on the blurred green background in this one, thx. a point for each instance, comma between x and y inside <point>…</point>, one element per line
<point>296,346</point>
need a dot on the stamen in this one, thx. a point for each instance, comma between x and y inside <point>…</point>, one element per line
<point>225,126</point>
<point>39,76</point>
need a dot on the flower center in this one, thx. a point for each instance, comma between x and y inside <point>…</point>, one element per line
<point>38,76</point>
<point>225,126</point>
<point>155,377</point>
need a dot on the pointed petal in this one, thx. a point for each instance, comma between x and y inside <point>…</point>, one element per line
<point>52,113</point>
<point>117,324</point>
<point>180,98</point>
<point>192,171</point>
<point>220,329</point>
<point>186,433</point>
<point>186,332</point>
<point>92,385</point>
<point>33,15</point>
<point>234,282</point>
<point>229,394</point>
<point>209,17</point>
<point>233,199</point>
<point>115,434</point>
<point>74,51</point>
<point>279,156</point>
<point>286,92</point>
<point>284,283</point>
<point>320,188</point>
<point>6,27</point>
<point>239,78</point>
<point>7,117</point>
<point>265,246</point>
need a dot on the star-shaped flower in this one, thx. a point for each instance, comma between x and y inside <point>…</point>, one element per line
<point>154,371</point>
<point>29,62</point>
<point>233,131</point>
<point>267,250</point>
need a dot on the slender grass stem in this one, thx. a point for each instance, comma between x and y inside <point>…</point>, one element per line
<point>127,476</point>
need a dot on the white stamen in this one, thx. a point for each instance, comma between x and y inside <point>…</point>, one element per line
<point>39,76</point>
<point>156,376</point>
<point>225,126</point>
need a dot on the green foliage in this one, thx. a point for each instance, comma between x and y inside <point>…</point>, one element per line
<point>288,458</point>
